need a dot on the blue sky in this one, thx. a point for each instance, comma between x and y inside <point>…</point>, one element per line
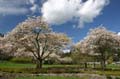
<point>109,17</point>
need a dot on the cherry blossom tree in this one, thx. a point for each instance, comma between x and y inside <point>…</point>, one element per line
<point>102,42</point>
<point>79,54</point>
<point>35,37</point>
<point>5,49</point>
<point>0,44</point>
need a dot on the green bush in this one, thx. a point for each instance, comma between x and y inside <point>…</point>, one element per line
<point>49,62</point>
<point>109,77</point>
<point>117,78</point>
<point>22,60</point>
<point>4,56</point>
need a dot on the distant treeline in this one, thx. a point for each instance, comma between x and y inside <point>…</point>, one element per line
<point>1,35</point>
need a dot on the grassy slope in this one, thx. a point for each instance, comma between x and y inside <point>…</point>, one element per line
<point>50,77</point>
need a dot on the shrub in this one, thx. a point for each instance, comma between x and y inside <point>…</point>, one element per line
<point>52,60</point>
<point>22,60</point>
<point>109,77</point>
<point>4,56</point>
<point>49,61</point>
<point>117,78</point>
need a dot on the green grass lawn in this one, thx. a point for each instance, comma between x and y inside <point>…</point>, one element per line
<point>12,67</point>
<point>58,77</point>
<point>6,64</point>
<point>113,66</point>
<point>51,77</point>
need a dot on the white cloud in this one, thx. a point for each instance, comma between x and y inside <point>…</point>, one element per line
<point>12,7</point>
<point>61,11</point>
<point>90,10</point>
<point>32,1</point>
<point>7,11</point>
<point>119,33</point>
<point>34,8</point>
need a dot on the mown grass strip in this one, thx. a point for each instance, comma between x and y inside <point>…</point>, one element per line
<point>50,77</point>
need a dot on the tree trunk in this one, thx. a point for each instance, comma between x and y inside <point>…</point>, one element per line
<point>94,65</point>
<point>39,64</point>
<point>103,65</point>
<point>85,65</point>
